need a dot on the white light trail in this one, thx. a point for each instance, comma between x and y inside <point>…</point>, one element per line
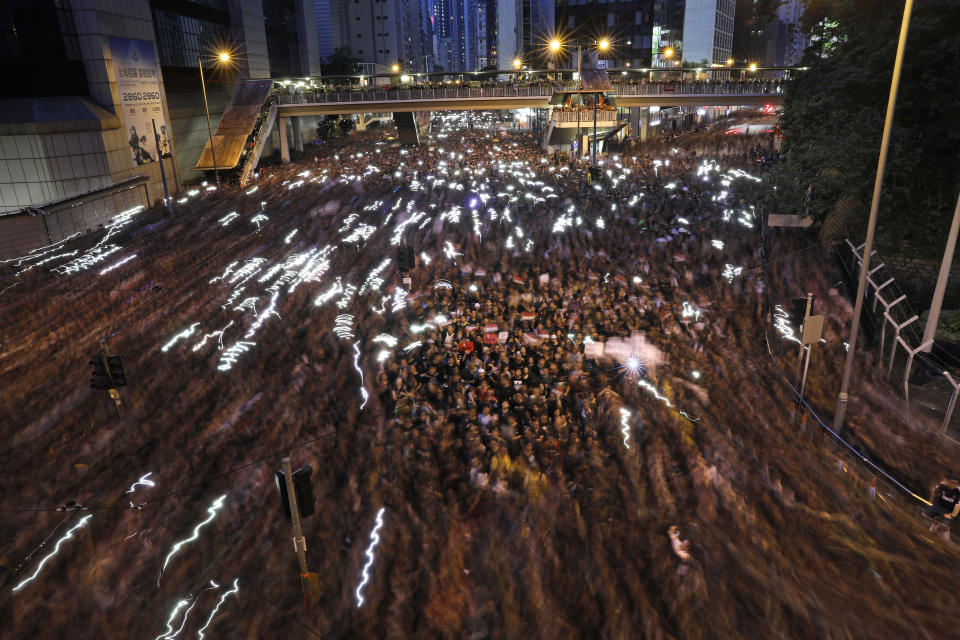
<point>117,264</point>
<point>252,191</point>
<point>656,394</point>
<point>412,345</point>
<point>386,339</point>
<point>334,289</point>
<point>290,236</point>
<point>212,510</point>
<point>399,299</point>
<point>690,311</point>
<point>343,326</point>
<point>449,251</point>
<point>215,334</point>
<point>173,614</point>
<point>186,333</point>
<point>383,355</point>
<point>144,480</point>
<point>183,623</point>
<point>227,219</point>
<point>624,416</point>
<point>257,219</point>
<point>93,256</point>
<point>374,281</point>
<point>223,597</point>
<point>781,322</point>
<point>229,357</point>
<point>356,365</point>
<point>717,244</point>
<point>730,272</point>
<point>374,541</point>
<point>56,550</point>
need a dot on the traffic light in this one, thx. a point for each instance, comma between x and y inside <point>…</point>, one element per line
<point>100,379</point>
<point>798,311</point>
<point>117,377</point>
<point>302,488</point>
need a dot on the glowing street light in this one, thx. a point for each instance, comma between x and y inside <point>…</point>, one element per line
<point>604,44</point>
<point>753,66</point>
<point>555,45</point>
<point>517,63</point>
<point>668,52</point>
<point>729,62</point>
<point>223,57</point>
<point>395,68</point>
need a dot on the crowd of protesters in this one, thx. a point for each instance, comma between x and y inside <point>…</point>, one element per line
<point>531,485</point>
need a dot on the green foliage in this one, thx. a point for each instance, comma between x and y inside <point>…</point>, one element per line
<point>954,324</point>
<point>834,114</point>
<point>341,63</point>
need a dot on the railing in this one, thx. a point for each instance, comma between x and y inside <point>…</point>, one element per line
<point>31,227</point>
<point>544,91</point>
<point>390,95</point>
<point>586,115</point>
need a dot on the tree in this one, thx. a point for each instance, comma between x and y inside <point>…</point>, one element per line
<point>341,63</point>
<point>833,120</point>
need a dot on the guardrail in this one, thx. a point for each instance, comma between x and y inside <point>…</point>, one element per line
<point>586,116</point>
<point>751,88</point>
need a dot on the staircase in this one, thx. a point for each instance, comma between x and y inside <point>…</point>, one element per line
<point>256,142</point>
<point>242,122</point>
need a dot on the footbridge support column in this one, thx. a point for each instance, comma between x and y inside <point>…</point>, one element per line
<point>284,144</point>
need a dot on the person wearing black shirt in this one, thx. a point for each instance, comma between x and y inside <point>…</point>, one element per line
<point>946,501</point>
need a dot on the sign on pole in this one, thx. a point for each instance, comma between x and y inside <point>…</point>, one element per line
<point>137,74</point>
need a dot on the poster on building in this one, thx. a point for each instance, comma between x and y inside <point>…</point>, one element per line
<point>138,81</point>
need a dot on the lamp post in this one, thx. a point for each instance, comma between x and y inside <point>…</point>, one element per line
<point>223,56</point>
<point>603,45</point>
<point>841,409</point>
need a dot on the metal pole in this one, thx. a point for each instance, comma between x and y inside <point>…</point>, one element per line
<point>931,329</point>
<point>806,314</point>
<point>803,382</point>
<point>841,410</point>
<point>595,97</point>
<point>299,542</point>
<point>579,102</point>
<point>206,107</point>
<point>163,174</point>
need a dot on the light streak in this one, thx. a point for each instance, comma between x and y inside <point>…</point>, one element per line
<point>334,289</point>
<point>656,394</point>
<point>186,333</point>
<point>442,284</point>
<point>633,367</point>
<point>637,280</point>
<point>223,597</point>
<point>411,346</point>
<point>144,480</point>
<point>730,272</point>
<point>343,326</point>
<point>344,300</point>
<point>356,365</point>
<point>695,374</point>
<point>212,510</point>
<point>227,219</point>
<point>425,258</point>
<point>229,357</point>
<point>56,549</point>
<point>252,191</point>
<point>215,334</point>
<point>173,614</point>
<point>261,318</point>
<point>257,219</point>
<point>399,299</point>
<point>226,272</point>
<point>386,339</point>
<point>717,244</point>
<point>117,264</point>
<point>183,623</point>
<point>781,323</point>
<point>690,311</point>
<point>290,236</point>
<point>93,256</point>
<point>374,541</point>
<point>624,416</point>
<point>247,271</point>
<point>374,280</point>
<point>449,251</point>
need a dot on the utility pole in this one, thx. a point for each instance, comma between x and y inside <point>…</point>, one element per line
<point>800,328</point>
<point>931,329</point>
<point>841,409</point>
<point>299,542</point>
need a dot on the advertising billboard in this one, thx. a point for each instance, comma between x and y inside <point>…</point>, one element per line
<point>137,74</point>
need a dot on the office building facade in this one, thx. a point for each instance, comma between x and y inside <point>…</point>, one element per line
<point>91,77</point>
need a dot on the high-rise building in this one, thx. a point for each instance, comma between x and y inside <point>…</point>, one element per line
<point>383,33</point>
<point>708,30</point>
<point>524,27</point>
<point>771,38</point>
<point>629,26</point>
<point>86,81</point>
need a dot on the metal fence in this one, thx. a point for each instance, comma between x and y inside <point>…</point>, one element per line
<point>586,116</point>
<point>31,227</point>
<point>746,88</point>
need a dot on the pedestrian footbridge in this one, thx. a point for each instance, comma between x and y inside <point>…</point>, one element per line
<point>257,104</point>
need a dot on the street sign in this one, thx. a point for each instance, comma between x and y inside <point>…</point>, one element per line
<point>812,329</point>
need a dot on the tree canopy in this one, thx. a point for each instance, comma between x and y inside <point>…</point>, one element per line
<point>833,122</point>
<point>341,63</point>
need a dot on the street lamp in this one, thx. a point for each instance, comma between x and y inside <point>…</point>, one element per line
<point>395,68</point>
<point>517,63</point>
<point>753,67</point>
<point>223,57</point>
<point>729,62</point>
